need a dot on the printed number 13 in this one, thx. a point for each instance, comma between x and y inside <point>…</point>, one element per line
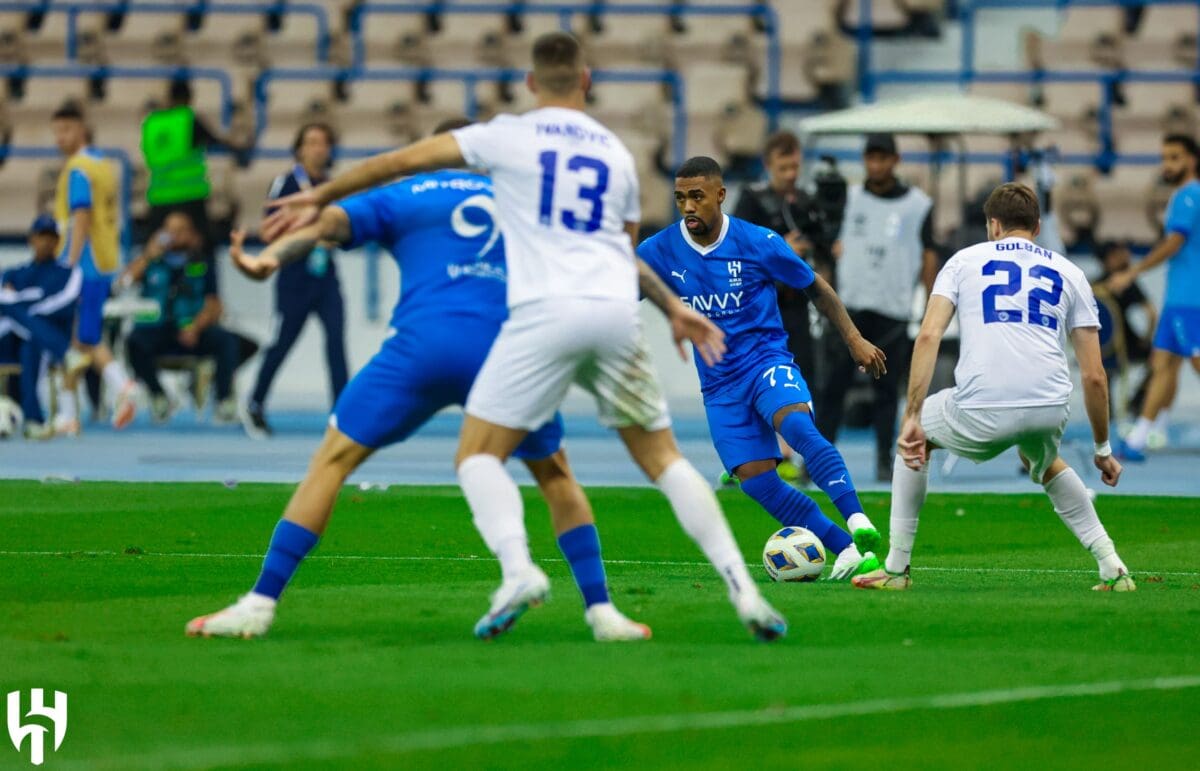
<point>593,194</point>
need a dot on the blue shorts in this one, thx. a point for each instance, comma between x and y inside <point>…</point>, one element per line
<point>739,417</point>
<point>1179,331</point>
<point>92,296</point>
<point>411,379</point>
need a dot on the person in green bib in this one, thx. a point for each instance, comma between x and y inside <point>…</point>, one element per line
<point>174,141</point>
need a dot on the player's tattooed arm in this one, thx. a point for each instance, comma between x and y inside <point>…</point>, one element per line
<point>868,357</point>
<point>655,289</point>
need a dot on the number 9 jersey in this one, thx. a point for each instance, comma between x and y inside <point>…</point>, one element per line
<point>565,188</point>
<point>1016,301</point>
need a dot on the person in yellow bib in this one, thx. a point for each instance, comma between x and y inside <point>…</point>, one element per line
<point>87,210</point>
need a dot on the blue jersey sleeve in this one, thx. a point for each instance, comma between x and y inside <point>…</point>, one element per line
<point>367,222</point>
<point>79,191</point>
<point>781,262</point>
<point>649,252</point>
<point>1184,211</point>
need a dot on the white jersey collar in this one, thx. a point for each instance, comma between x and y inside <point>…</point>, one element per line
<point>706,250</point>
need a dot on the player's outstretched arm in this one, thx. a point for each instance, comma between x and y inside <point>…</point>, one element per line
<point>333,226</point>
<point>869,357</point>
<point>297,210</point>
<point>912,443</point>
<point>686,323</point>
<point>1162,251</point>
<point>1086,341</point>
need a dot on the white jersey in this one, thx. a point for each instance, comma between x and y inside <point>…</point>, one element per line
<point>565,186</point>
<point>1016,301</point>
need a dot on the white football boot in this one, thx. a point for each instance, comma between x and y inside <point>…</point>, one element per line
<point>611,625</point>
<point>763,621</point>
<point>515,596</point>
<point>250,616</point>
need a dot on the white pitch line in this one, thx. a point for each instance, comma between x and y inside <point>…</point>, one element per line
<point>472,736</point>
<point>469,557</point>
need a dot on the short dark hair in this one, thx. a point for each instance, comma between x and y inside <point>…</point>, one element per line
<point>781,143</point>
<point>316,125</point>
<point>180,91</point>
<point>451,124</point>
<point>699,166</point>
<point>557,62</point>
<point>1187,142</point>
<point>1014,205</point>
<point>68,110</point>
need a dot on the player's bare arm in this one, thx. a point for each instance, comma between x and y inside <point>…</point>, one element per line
<point>1162,251</point>
<point>332,227</point>
<point>81,229</point>
<point>912,442</point>
<point>1086,341</point>
<point>686,323</point>
<point>870,358</point>
<point>295,211</point>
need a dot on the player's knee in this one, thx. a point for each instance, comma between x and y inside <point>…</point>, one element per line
<point>339,454</point>
<point>801,433</point>
<point>755,468</point>
<point>761,482</point>
<point>653,451</point>
<point>783,413</point>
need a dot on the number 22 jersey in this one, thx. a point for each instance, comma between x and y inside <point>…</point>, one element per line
<point>565,186</point>
<point>1016,301</point>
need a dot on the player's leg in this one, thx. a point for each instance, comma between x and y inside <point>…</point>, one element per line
<point>1164,380</point>
<point>89,338</point>
<point>1070,497</point>
<point>332,313</point>
<point>886,388</point>
<point>297,533</point>
<point>291,314</point>
<point>575,529</point>
<point>826,467</point>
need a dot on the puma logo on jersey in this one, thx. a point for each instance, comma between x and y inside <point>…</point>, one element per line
<point>839,481</point>
<point>680,275</point>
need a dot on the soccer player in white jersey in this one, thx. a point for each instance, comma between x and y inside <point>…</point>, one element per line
<point>1016,302</point>
<point>568,205</point>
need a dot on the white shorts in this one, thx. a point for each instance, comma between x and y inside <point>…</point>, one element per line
<point>983,433</point>
<point>546,346</point>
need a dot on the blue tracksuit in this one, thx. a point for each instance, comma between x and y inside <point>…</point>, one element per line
<point>42,307</point>
<point>301,288</point>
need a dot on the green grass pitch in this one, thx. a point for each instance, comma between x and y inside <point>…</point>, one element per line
<point>371,663</point>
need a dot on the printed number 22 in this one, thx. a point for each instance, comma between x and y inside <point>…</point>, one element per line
<point>1037,295</point>
<point>593,194</point>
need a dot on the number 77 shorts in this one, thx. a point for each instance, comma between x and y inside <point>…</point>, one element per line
<point>741,415</point>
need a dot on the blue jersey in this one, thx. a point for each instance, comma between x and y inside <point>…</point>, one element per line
<point>318,267</point>
<point>732,281</point>
<point>441,229</point>
<point>1183,270</point>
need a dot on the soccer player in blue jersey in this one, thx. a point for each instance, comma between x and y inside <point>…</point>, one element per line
<point>726,268</point>
<point>441,228</point>
<point>1178,334</point>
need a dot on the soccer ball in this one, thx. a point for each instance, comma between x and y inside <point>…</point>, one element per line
<point>794,554</point>
<point>11,418</point>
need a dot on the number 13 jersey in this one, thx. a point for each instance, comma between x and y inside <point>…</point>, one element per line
<point>1016,302</point>
<point>565,186</point>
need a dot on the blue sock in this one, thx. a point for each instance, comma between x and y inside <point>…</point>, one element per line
<point>824,463</point>
<point>792,507</point>
<point>290,544</point>
<point>581,547</point>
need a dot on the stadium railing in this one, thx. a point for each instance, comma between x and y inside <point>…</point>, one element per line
<point>201,7</point>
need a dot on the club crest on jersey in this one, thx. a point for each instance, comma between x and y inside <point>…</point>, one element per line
<point>735,273</point>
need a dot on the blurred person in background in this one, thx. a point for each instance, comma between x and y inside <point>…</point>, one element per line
<point>177,273</point>
<point>1177,336</point>
<point>37,307</point>
<point>1115,258</point>
<point>174,141</point>
<point>303,287</point>
<point>87,207</point>
<point>885,247</point>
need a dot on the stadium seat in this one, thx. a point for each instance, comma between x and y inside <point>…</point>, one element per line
<point>18,176</point>
<point>1123,196</point>
<point>381,32</point>
<point>710,87</point>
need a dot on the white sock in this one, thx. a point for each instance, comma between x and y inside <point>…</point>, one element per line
<point>700,515</point>
<point>908,496</point>
<point>1163,421</point>
<point>1075,508</point>
<point>115,378</point>
<point>858,521</point>
<point>498,511</point>
<point>1139,433</point>
<point>67,407</point>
